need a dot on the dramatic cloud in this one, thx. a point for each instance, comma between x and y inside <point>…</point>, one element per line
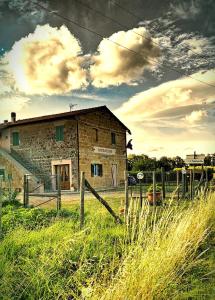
<point>114,65</point>
<point>48,62</point>
<point>25,10</point>
<point>186,10</point>
<point>181,92</point>
<point>196,116</point>
<point>11,102</point>
<point>196,45</point>
<point>174,115</point>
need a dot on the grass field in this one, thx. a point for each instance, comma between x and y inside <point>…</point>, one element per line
<point>159,253</point>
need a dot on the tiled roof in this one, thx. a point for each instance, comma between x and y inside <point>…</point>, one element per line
<point>65,115</point>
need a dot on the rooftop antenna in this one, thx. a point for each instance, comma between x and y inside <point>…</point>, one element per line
<point>71,106</point>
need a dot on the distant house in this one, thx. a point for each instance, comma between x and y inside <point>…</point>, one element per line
<point>91,140</point>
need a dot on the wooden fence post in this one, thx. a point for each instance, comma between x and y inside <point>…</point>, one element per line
<point>126,193</point>
<point>82,190</point>
<point>103,202</point>
<point>163,183</point>
<point>26,191</point>
<point>58,193</point>
<point>154,187</point>
<point>1,208</point>
<point>191,184</point>
<point>177,179</point>
<point>141,194</point>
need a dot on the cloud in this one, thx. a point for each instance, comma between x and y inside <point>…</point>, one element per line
<point>176,93</point>
<point>172,115</point>
<point>186,10</point>
<point>196,116</point>
<point>25,10</point>
<point>47,61</point>
<point>12,102</point>
<point>197,45</point>
<point>115,65</point>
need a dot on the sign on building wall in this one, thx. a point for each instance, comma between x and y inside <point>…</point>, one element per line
<point>106,151</point>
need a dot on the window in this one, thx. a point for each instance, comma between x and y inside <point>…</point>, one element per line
<point>113,138</point>
<point>2,174</point>
<point>15,138</point>
<point>59,133</point>
<point>96,170</point>
<point>96,137</point>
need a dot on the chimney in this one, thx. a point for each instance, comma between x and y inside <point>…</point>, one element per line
<point>13,117</point>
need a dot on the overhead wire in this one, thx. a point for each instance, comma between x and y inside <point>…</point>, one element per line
<point>138,18</point>
<point>163,66</point>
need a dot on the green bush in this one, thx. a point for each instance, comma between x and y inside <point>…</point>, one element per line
<point>32,218</point>
<point>157,188</point>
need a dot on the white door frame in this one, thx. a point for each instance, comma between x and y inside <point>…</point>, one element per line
<point>114,171</point>
<point>63,162</point>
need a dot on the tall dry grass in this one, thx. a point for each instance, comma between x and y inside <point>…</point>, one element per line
<point>164,247</point>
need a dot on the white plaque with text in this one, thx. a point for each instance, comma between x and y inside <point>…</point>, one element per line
<point>106,151</point>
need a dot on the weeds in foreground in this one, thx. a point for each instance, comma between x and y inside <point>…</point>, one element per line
<point>165,249</point>
<point>161,253</point>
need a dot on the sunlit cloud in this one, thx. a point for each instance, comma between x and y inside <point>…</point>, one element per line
<point>47,61</point>
<point>114,65</point>
<point>12,102</point>
<point>174,115</point>
<point>196,116</point>
<point>176,93</point>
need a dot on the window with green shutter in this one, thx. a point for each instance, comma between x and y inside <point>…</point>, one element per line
<point>2,174</point>
<point>59,133</point>
<point>15,138</point>
<point>96,170</point>
<point>113,138</point>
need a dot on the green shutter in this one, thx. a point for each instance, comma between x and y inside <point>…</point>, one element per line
<point>15,138</point>
<point>59,133</point>
<point>2,174</point>
<point>113,138</point>
<point>100,170</point>
<point>92,170</point>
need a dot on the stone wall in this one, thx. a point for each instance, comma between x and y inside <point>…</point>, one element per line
<point>39,147</point>
<point>5,139</point>
<point>105,123</point>
<point>12,170</point>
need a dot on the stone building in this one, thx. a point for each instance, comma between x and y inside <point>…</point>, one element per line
<point>91,140</point>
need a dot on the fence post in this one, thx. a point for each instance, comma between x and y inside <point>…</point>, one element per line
<point>154,187</point>
<point>82,190</point>
<point>177,179</point>
<point>141,193</point>
<point>191,184</point>
<point>163,182</point>
<point>126,192</point>
<point>26,191</point>
<point>58,192</point>
<point>1,208</point>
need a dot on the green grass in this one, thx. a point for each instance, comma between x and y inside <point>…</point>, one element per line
<point>162,253</point>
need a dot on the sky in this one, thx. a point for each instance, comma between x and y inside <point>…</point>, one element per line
<point>150,61</point>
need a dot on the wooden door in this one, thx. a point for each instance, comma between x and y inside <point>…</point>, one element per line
<point>64,173</point>
<point>114,174</point>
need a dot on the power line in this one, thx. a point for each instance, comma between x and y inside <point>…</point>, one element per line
<point>120,45</point>
<point>147,37</point>
<point>138,18</point>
